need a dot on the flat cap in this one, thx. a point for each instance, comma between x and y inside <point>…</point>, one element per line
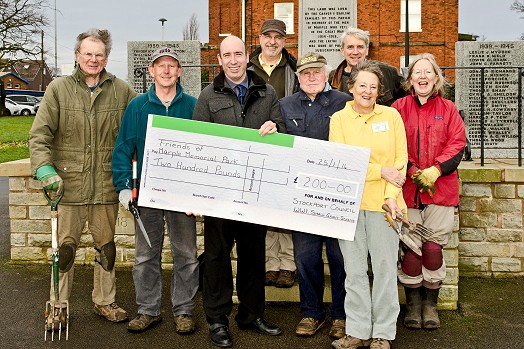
<point>273,25</point>
<point>311,60</point>
<point>164,51</point>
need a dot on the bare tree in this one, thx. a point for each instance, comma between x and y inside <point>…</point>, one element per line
<point>21,23</point>
<point>191,29</point>
<point>518,6</point>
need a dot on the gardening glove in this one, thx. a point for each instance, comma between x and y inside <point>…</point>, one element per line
<point>50,179</point>
<point>125,197</point>
<point>427,177</point>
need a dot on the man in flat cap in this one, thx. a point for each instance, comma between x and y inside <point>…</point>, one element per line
<point>277,67</point>
<point>165,97</point>
<point>307,113</point>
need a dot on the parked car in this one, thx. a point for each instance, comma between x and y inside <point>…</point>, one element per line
<point>19,109</point>
<point>26,100</point>
<point>12,108</point>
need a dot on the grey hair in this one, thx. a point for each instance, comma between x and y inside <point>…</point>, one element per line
<point>441,81</point>
<point>102,35</point>
<point>357,33</point>
<point>367,66</point>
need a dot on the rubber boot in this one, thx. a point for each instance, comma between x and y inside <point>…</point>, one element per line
<point>413,318</point>
<point>429,309</point>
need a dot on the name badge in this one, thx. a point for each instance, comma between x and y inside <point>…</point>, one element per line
<point>380,127</point>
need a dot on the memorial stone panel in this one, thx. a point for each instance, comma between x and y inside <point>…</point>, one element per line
<point>320,25</point>
<point>500,94</point>
<point>139,55</point>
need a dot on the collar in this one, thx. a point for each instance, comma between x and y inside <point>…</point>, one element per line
<point>268,68</point>
<point>232,85</point>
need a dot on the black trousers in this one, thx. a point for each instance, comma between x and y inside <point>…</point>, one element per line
<point>219,237</point>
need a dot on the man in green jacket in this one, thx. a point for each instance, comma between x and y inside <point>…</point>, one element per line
<point>70,143</point>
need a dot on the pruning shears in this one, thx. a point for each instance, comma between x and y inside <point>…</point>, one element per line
<point>133,205</point>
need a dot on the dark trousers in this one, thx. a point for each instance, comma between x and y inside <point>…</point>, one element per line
<point>219,237</point>
<point>310,267</point>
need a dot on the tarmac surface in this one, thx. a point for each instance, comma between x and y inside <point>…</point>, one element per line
<point>490,314</point>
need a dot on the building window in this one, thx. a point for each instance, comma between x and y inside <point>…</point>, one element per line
<point>415,15</point>
<point>284,12</point>
<point>9,85</point>
<point>17,85</point>
<point>403,68</point>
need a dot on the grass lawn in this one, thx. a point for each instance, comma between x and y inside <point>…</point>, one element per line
<point>14,136</point>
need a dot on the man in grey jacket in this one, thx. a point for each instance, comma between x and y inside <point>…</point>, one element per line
<point>70,144</point>
<point>239,98</point>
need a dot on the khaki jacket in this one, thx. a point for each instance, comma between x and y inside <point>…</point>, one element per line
<point>75,131</point>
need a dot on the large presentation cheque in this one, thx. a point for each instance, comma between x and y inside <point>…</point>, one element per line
<point>231,172</point>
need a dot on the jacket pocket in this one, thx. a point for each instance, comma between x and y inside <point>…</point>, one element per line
<point>295,123</point>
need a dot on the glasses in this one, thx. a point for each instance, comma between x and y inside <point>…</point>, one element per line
<point>423,72</point>
<point>274,37</point>
<point>89,56</point>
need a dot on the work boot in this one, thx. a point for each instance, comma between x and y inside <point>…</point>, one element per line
<point>308,326</point>
<point>413,318</point>
<point>286,279</point>
<point>380,343</point>
<point>271,277</point>
<point>184,324</point>
<point>429,309</point>
<point>111,312</point>
<point>338,329</point>
<point>350,342</point>
<point>142,322</point>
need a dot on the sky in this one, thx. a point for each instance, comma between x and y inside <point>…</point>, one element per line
<point>136,20</point>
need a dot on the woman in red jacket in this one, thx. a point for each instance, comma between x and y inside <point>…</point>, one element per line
<point>436,140</point>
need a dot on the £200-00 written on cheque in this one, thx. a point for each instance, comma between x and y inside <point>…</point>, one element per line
<point>231,172</point>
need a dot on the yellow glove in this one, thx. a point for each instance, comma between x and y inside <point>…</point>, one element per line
<point>427,177</point>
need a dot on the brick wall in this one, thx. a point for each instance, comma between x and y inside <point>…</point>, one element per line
<point>381,18</point>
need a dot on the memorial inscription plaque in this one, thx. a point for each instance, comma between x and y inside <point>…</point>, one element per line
<point>321,23</point>
<point>500,94</point>
<point>139,55</point>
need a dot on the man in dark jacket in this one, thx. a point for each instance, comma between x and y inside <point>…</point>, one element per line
<point>239,98</point>
<point>354,46</point>
<point>272,62</point>
<point>307,113</point>
<point>277,67</point>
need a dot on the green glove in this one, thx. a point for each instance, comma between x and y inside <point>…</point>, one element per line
<point>49,178</point>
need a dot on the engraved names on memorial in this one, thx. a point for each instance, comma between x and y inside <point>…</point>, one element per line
<point>500,94</point>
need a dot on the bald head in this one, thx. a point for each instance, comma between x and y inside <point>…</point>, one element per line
<point>233,58</point>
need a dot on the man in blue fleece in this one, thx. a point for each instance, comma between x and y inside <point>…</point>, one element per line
<point>165,97</point>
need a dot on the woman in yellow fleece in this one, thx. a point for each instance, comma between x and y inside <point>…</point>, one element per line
<point>371,318</point>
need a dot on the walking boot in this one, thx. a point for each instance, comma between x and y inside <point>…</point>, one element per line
<point>413,318</point>
<point>430,318</point>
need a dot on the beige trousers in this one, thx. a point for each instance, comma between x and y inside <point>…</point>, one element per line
<point>100,221</point>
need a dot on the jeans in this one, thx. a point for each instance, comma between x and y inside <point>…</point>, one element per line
<point>310,267</point>
<point>147,271</point>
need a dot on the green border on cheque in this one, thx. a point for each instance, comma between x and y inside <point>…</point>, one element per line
<point>226,131</point>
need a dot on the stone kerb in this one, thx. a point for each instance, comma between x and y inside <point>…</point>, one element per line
<point>489,242</point>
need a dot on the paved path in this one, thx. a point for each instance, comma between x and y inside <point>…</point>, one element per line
<point>490,315</point>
